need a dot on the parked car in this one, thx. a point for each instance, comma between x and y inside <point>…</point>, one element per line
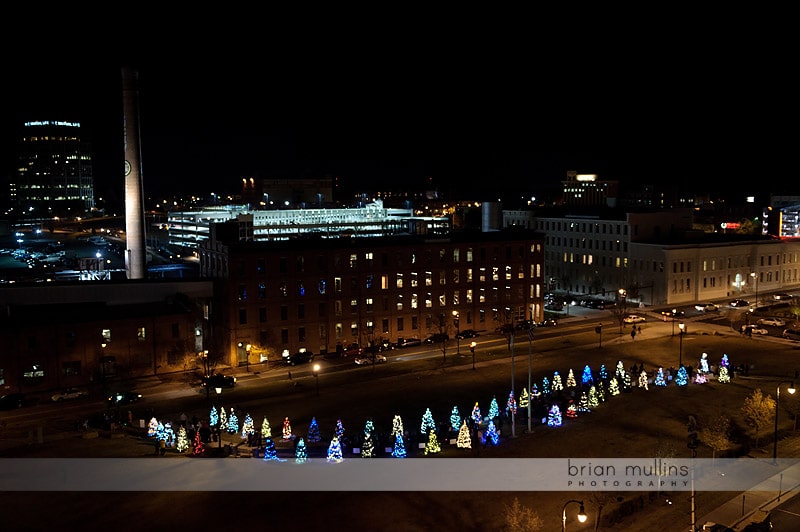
<point>782,297</point>
<point>739,303</point>
<point>633,318</point>
<point>300,357</point>
<point>385,345</point>
<point>367,359</point>
<point>123,398</point>
<point>437,338</point>
<point>791,334</point>
<point>550,322</point>
<point>219,380</point>
<point>13,401</point>
<point>407,342</point>
<point>774,322</point>
<point>753,329</point>
<point>706,307</point>
<point>69,393</point>
<point>467,333</point>
<point>350,350</point>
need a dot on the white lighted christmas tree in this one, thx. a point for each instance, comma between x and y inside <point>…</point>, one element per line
<point>660,380</point>
<point>368,445</point>
<point>313,431</point>
<point>643,380</point>
<point>571,382</point>
<point>300,452</point>
<point>432,447</point>
<point>427,422</point>
<point>248,427</point>
<point>455,418</point>
<point>557,384</point>
<point>335,451</point>
<point>724,376</point>
<point>339,430</point>
<point>182,445</point>
<point>397,426</point>
<point>583,404</point>
<point>613,386</point>
<point>152,427</point>
<point>266,430</point>
<point>626,383</point>
<point>704,362</point>
<point>619,373</point>
<point>464,440</point>
<point>233,423</point>
<point>554,416</point>
<point>223,419</point>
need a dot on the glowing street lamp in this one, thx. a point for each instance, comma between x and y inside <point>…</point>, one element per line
<point>458,332</point>
<point>790,389</point>
<point>472,348</point>
<point>218,389</point>
<point>581,514</point>
<point>315,371</point>
<point>681,329</point>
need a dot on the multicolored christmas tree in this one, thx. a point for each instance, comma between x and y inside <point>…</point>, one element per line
<point>535,392</point>
<point>152,428</point>
<point>287,429</point>
<point>511,404</point>
<point>464,440</point>
<point>339,430</point>
<point>476,413</point>
<point>572,409</point>
<point>554,416</point>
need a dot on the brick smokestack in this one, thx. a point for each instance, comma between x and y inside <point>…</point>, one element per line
<point>135,247</point>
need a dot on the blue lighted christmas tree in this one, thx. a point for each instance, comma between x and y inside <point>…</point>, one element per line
<point>339,430</point>
<point>660,380</point>
<point>269,449</point>
<point>476,413</point>
<point>545,387</point>
<point>587,378</point>
<point>491,437</point>
<point>455,419</point>
<point>603,373</point>
<point>683,377</point>
<point>511,405</point>
<point>233,423</point>
<point>300,452</point>
<point>213,417</point>
<point>313,431</point>
<point>399,449</point>
<point>427,422</point>
<point>335,451</point>
<point>494,409</point>
<point>554,416</point>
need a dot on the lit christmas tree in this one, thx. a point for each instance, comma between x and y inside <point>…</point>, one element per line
<point>476,414</point>
<point>464,440</point>
<point>399,449</point>
<point>427,422</point>
<point>455,418</point>
<point>182,444</point>
<point>571,382</point>
<point>369,426</point>
<point>313,431</point>
<point>287,429</point>
<point>494,408</point>
<point>432,447</point>
<point>535,393</point>
<point>511,405</point>
<point>572,409</point>
<point>213,417</point>
<point>523,399</point>
<point>300,452</point>
<point>491,437</point>
<point>169,435</point>
<point>619,372</point>
<point>704,363</point>
<point>643,380</point>
<point>586,377</point>
<point>594,400</point>
<point>557,384</point>
<point>335,451</point>
<point>554,416</point>
<point>233,423</point>
<point>583,404</point>
<point>368,446</point>
<point>682,378</point>
<point>613,386</point>
<point>152,428</point>
<point>223,419</point>
<point>248,427</point>
<point>626,383</point>
<point>160,432</point>
<point>724,363</point>
<point>269,450</point>
<point>601,392</point>
<point>660,380</point>
<point>545,386</point>
<point>700,378</point>
<point>199,448</point>
<point>724,376</point>
<point>603,373</point>
<point>266,430</point>
<point>339,430</point>
<point>397,426</point>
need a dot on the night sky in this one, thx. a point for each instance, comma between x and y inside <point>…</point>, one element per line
<point>206,126</point>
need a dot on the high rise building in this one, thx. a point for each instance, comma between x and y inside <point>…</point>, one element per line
<point>54,171</point>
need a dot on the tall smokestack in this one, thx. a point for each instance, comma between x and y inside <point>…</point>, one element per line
<point>135,248</point>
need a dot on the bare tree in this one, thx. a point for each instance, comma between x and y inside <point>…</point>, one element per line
<point>758,410</point>
<point>717,434</point>
<point>519,518</point>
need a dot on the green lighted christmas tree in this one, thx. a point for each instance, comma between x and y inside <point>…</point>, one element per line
<point>464,440</point>
<point>300,452</point>
<point>494,409</point>
<point>594,400</point>
<point>182,444</point>
<point>266,430</point>
<point>335,451</point>
<point>313,431</point>
<point>432,447</point>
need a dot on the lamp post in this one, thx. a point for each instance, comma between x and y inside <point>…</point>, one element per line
<point>472,348</point>
<point>681,328</point>
<point>581,514</point>
<point>218,389</point>
<point>790,389</point>
<point>315,370</point>
<point>754,275</point>
<point>674,312</point>
<point>458,332</point>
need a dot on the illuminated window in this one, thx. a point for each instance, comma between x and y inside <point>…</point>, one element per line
<point>428,300</point>
<point>469,254</point>
<point>456,296</point>
<point>482,295</point>
<point>469,295</point>
<point>428,279</point>
<point>140,334</point>
<point>469,275</point>
<point>414,301</point>
<point>337,285</point>
<point>353,260</point>
<point>442,278</point>
<point>442,300</point>
<point>482,275</point>
<point>399,302</point>
<point>399,280</point>
<point>456,253</point>
<point>353,306</point>
<point>414,280</point>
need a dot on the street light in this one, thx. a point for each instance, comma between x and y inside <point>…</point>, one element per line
<point>790,389</point>
<point>218,389</point>
<point>458,332</point>
<point>315,370</point>
<point>674,312</point>
<point>472,348</point>
<point>681,328</point>
<point>581,514</point>
<point>754,275</point>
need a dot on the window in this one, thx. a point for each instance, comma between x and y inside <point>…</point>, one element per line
<point>242,316</point>
<point>141,334</point>
<point>283,289</point>
<point>301,311</point>
<point>106,335</point>
<point>262,290</point>
<point>284,312</point>
<point>242,292</point>
<point>301,334</point>
<point>399,324</point>
<point>337,285</point>
<point>262,314</point>
<point>399,302</point>
<point>353,306</point>
<point>71,368</point>
<point>175,331</point>
<point>428,279</point>
<point>399,280</point>
<point>353,261</point>
<point>260,266</point>
<point>301,289</point>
